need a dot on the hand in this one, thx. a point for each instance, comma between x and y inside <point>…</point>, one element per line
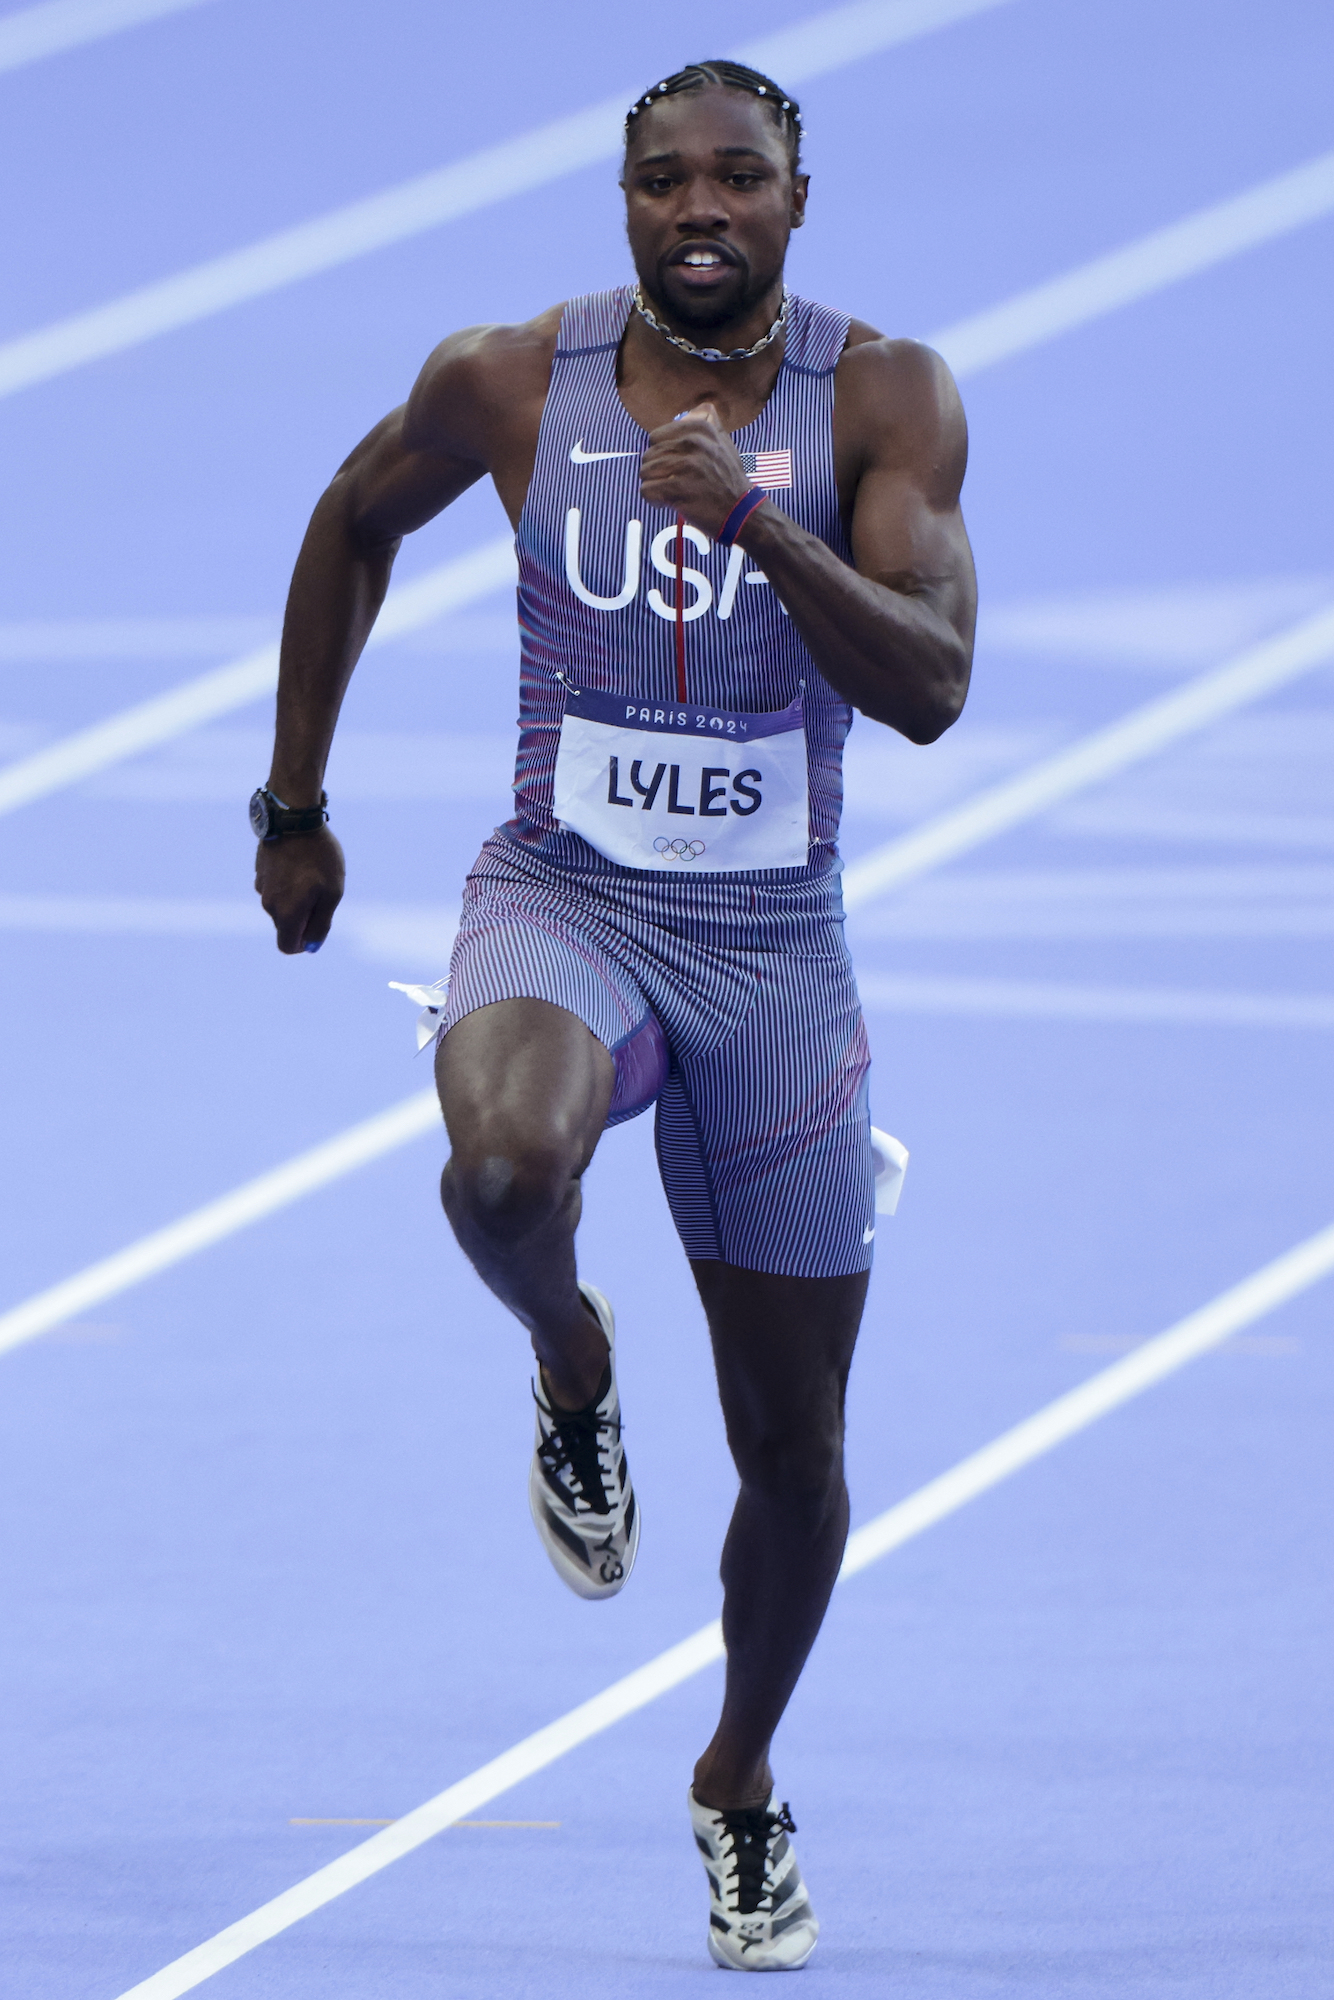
<point>299,880</point>
<point>693,466</point>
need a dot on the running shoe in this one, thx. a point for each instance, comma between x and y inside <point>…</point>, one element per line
<point>760,1917</point>
<point>579,1487</point>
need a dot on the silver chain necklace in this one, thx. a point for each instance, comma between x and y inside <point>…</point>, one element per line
<point>714,353</point>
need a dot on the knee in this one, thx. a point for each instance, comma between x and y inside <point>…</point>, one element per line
<point>505,1190</point>
<point>799,1471</point>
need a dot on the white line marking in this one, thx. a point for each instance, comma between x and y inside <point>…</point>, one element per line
<point>1143,733</point>
<point>251,1202</point>
<point>971,344</point>
<point>1163,258</point>
<point>394,934</point>
<point>1149,1364</point>
<point>454,584</point>
<point>1147,730</point>
<point>825,42</point>
<point>49,30</point>
<point>132,916</point>
<point>28,639</point>
<point>1042,1000</point>
<point>1135,820</point>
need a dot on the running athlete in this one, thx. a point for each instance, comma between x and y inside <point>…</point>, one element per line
<point>737,520</point>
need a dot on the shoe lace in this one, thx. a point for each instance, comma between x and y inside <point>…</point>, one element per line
<point>750,1830</point>
<point>574,1444</point>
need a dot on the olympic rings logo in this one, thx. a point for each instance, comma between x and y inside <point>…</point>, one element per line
<point>679,850</point>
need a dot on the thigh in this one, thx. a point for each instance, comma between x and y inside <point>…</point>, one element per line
<point>524,1073</point>
<point>545,1034</point>
<point>765,1141</point>
<point>782,1348</point>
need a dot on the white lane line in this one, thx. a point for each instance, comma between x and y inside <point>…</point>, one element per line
<point>51,29</point>
<point>1256,672</point>
<point>1050,1426</point>
<point>1146,731</point>
<point>233,686</point>
<point>1165,257</point>
<point>448,588</point>
<point>26,640</point>
<point>203,1227</point>
<point>132,916</point>
<point>826,42</point>
<point>1251,675</point>
<point>1043,1000</point>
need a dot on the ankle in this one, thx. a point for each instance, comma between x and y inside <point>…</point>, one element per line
<point>570,1387</point>
<point>572,1378</point>
<point>724,1789</point>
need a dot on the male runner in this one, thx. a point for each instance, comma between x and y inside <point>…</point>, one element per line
<point>737,519</point>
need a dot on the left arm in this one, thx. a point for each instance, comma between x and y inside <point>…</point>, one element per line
<point>894,635</point>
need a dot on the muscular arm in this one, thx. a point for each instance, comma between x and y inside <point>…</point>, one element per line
<point>894,634</point>
<point>457,425</point>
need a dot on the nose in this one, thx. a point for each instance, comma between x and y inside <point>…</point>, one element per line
<point>702,211</point>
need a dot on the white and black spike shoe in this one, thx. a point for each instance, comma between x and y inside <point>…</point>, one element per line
<point>760,1917</point>
<point>579,1486</point>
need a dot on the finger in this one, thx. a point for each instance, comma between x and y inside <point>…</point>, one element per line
<point>319,919</point>
<point>290,923</point>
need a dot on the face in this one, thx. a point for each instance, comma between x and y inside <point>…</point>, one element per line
<point>710,204</point>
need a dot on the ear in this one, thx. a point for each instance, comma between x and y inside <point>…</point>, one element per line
<point>801,184</point>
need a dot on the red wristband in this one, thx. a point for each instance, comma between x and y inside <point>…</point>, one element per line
<point>741,513</point>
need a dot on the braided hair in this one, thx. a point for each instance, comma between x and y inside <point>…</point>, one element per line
<point>729,76</point>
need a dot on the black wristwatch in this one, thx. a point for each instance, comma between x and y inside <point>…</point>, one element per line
<point>270,819</point>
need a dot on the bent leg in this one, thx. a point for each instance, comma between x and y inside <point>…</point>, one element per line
<point>525,1088</point>
<point>782,1347</point>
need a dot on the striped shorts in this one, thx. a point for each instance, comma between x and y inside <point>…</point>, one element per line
<point>727,1001</point>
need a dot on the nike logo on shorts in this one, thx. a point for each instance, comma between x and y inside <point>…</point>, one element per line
<point>867,1235</point>
<point>578,456</point>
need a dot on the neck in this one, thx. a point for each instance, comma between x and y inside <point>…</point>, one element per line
<point>657,380</point>
<point>741,330</point>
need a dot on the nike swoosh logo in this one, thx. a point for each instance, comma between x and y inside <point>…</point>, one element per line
<point>578,456</point>
<point>867,1235</point>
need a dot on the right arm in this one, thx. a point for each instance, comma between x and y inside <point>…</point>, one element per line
<point>450,433</point>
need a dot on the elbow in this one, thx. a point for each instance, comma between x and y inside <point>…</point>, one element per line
<point>932,709</point>
<point>942,703</point>
<point>931,725</point>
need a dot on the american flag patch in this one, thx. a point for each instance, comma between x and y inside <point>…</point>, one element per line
<point>770,469</point>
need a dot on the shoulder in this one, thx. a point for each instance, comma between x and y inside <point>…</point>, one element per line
<point>899,398</point>
<point>479,378</point>
<point>894,374</point>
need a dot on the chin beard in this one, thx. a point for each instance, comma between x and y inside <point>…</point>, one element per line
<point>707,315</point>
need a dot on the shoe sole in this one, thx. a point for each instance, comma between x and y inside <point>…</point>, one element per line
<point>718,1956</point>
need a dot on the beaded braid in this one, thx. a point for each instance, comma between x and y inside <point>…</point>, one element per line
<point>729,76</point>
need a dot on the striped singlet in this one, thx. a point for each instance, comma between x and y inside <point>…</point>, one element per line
<point>728,998</point>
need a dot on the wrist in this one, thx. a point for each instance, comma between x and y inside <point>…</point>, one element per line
<point>753,498</point>
<point>273,817</point>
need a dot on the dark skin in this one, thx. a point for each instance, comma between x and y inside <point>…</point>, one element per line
<point>710,203</point>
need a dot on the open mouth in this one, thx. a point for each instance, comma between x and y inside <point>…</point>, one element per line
<point>698,263</point>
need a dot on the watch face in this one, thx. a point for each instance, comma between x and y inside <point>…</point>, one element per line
<point>259,814</point>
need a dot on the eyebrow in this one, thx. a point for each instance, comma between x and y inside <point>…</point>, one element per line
<point>719,153</point>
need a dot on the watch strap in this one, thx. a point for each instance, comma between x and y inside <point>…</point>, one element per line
<point>280,819</point>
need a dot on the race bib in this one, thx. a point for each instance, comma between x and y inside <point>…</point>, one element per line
<point>692,789</point>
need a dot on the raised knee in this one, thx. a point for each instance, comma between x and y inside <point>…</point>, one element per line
<point>506,1191</point>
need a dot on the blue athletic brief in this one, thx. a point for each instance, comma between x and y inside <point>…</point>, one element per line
<point>729,1001</point>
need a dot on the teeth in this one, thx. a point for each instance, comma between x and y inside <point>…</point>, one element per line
<point>701,257</point>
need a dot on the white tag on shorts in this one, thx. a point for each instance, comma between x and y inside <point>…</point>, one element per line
<point>692,789</point>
